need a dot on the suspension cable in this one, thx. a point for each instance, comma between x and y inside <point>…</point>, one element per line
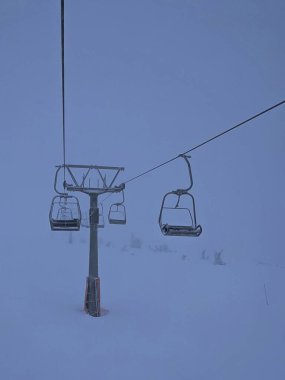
<point>236,126</point>
<point>207,141</point>
<point>62,83</point>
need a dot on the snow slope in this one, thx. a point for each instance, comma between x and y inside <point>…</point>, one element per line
<point>170,315</point>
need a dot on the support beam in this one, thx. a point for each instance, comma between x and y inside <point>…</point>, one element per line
<point>92,292</point>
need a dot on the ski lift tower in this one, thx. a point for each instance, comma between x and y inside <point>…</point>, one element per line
<point>81,179</point>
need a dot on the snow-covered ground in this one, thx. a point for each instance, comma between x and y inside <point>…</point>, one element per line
<point>167,314</point>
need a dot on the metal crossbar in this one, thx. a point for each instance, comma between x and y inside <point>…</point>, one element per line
<point>80,185</point>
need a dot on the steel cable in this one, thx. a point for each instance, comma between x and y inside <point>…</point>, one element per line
<point>207,141</point>
<point>62,82</point>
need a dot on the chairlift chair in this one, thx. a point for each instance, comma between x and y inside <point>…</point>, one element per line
<point>65,213</point>
<point>190,228</point>
<point>117,212</point>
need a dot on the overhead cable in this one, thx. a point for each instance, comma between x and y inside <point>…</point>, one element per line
<point>207,141</point>
<point>62,82</point>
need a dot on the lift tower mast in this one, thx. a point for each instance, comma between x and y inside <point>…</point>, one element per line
<point>62,218</point>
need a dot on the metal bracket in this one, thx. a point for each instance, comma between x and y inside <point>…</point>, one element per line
<point>76,185</point>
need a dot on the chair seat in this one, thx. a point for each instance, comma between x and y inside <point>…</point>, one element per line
<point>117,221</point>
<point>65,225</point>
<point>170,230</point>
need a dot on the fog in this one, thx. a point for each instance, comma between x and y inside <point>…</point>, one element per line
<point>146,81</point>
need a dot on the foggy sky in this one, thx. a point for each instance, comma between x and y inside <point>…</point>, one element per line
<point>146,80</point>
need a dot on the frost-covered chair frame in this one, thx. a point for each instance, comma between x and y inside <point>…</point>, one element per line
<point>65,213</point>
<point>191,229</point>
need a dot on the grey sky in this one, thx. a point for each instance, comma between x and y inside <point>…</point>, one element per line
<point>146,80</point>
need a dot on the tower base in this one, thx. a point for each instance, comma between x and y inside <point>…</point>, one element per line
<point>92,297</point>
